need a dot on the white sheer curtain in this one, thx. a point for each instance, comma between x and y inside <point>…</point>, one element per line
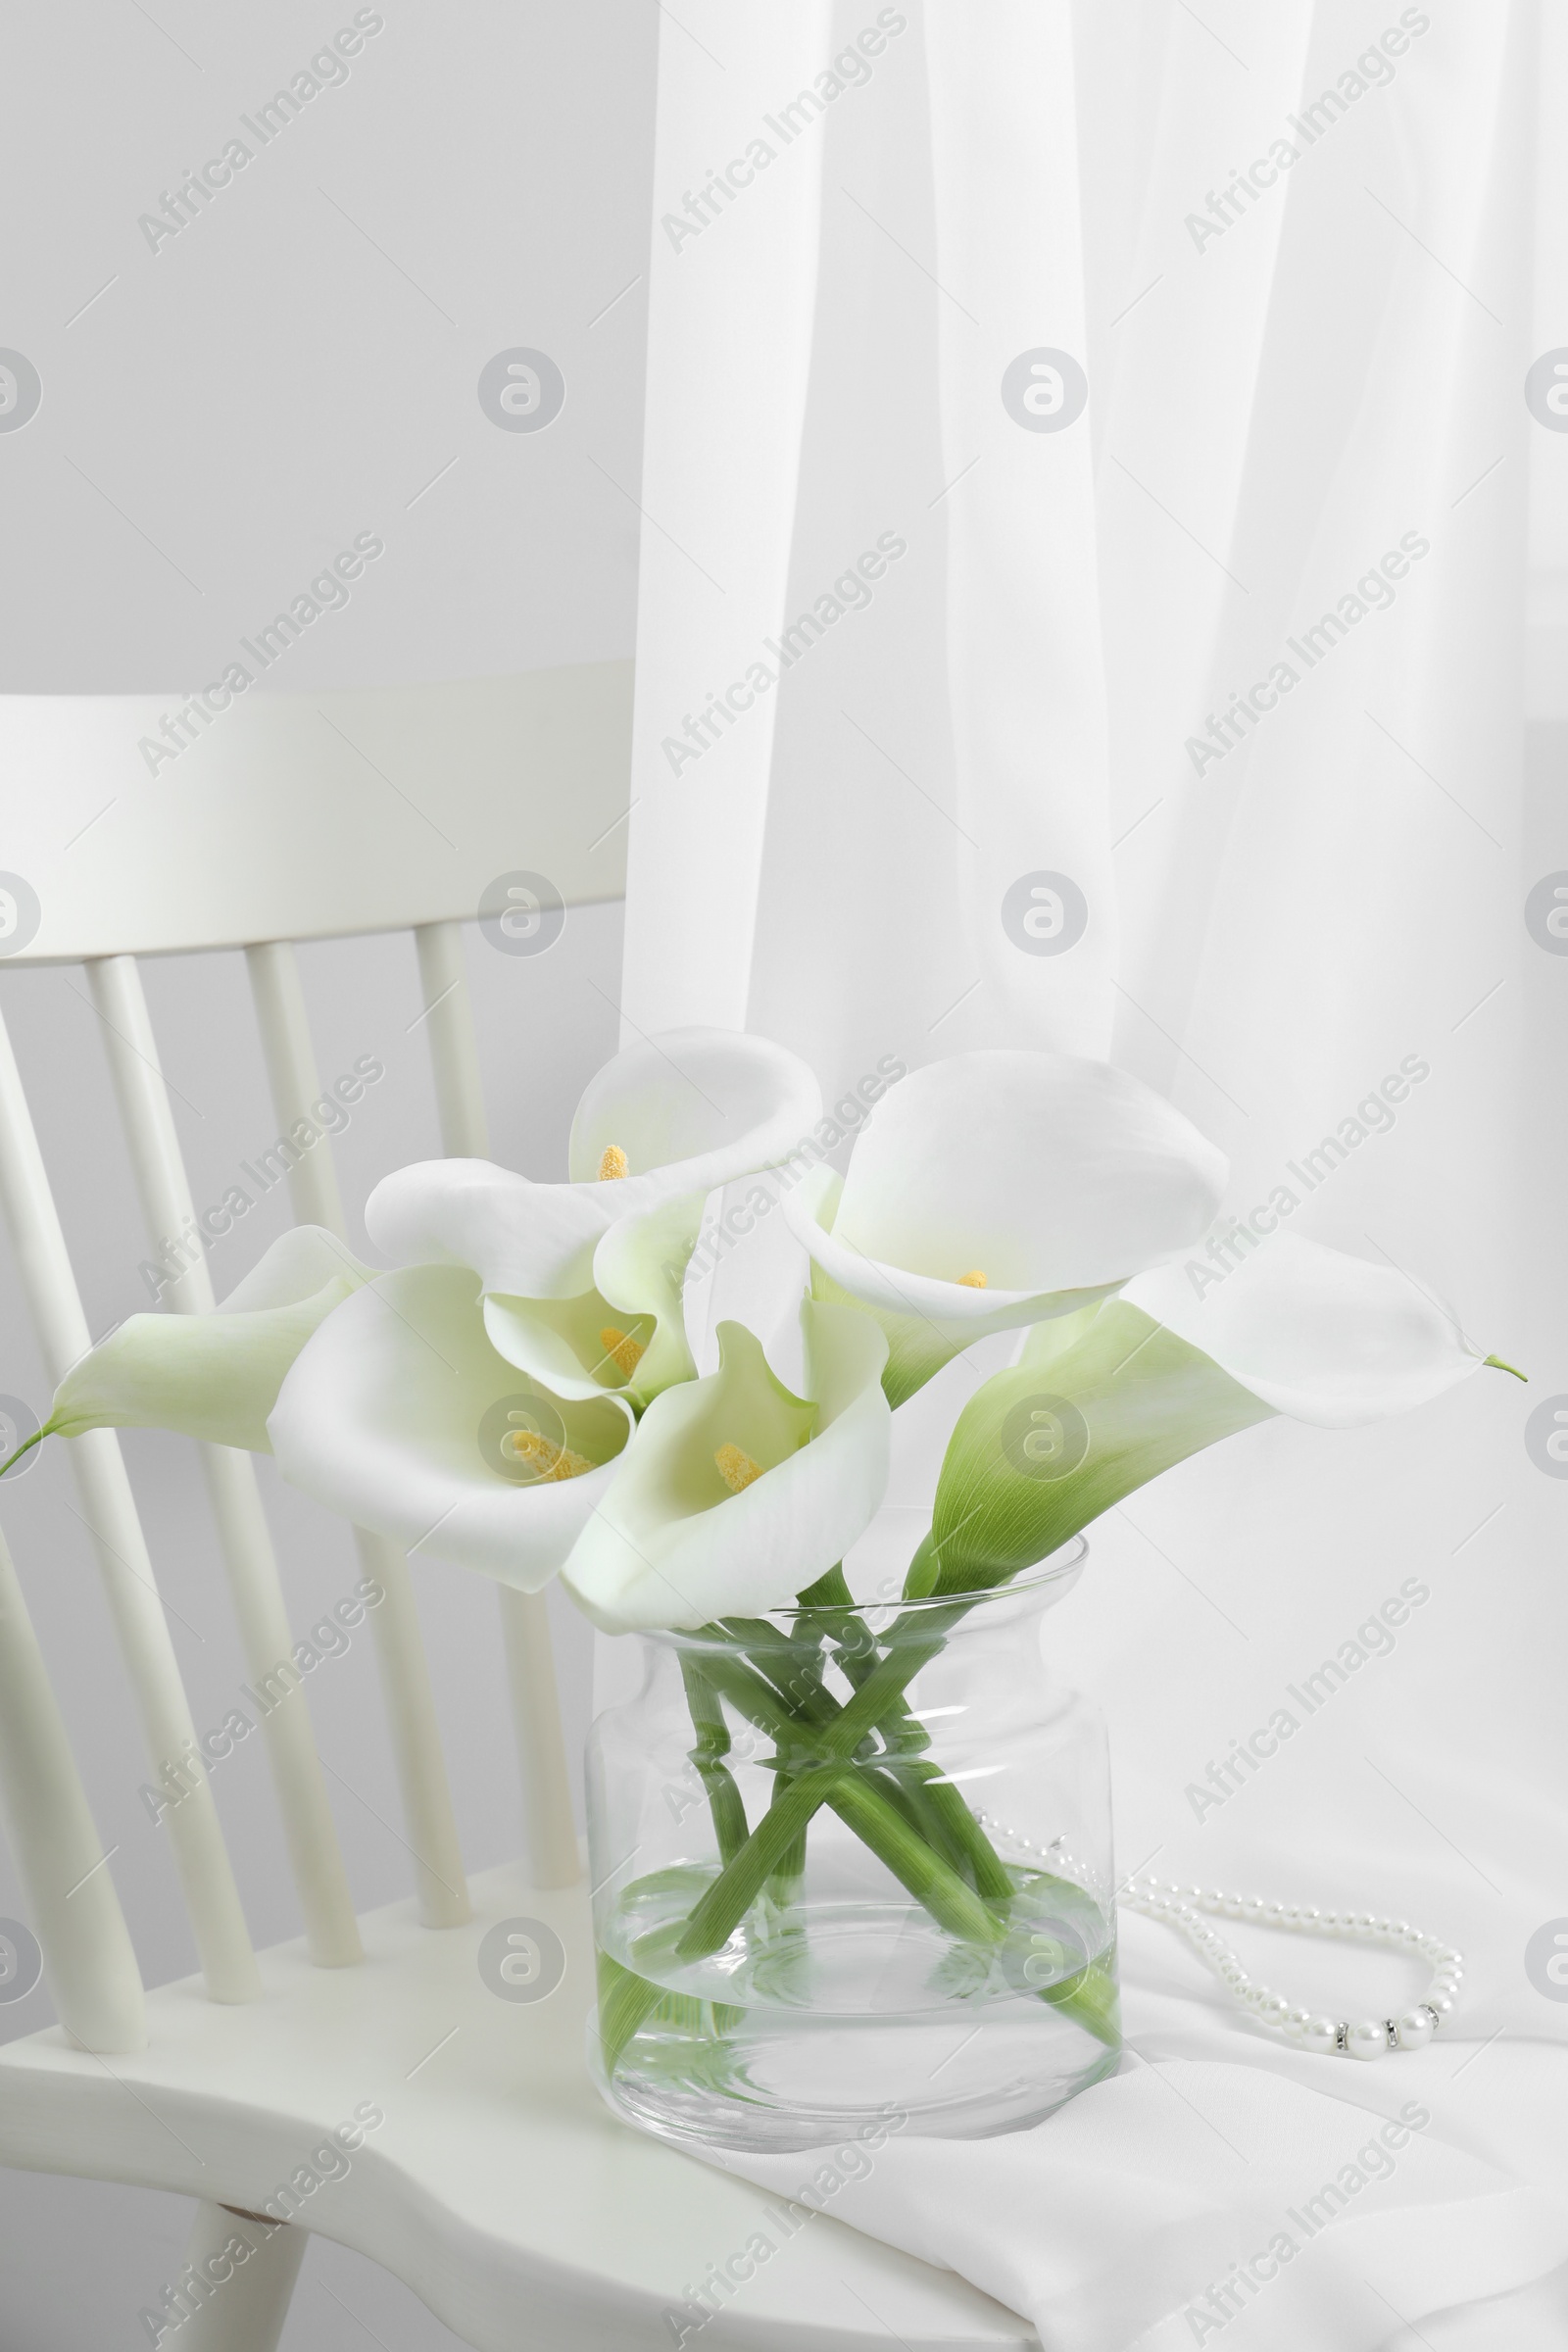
<point>1291,252</point>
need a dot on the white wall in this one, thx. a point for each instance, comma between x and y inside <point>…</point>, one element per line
<point>302,359</point>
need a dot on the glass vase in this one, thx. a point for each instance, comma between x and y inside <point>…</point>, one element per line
<point>850,1860</point>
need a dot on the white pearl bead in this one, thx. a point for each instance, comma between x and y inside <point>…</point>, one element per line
<point>1214,1900</point>
<point>1309,1915</point>
<point>1273,2010</point>
<point>1415,2029</point>
<point>1441,2003</point>
<point>1253,1906</point>
<point>1273,1913</point>
<point>1319,2034</point>
<point>1363,1923</point>
<point>1297,2022</point>
<point>1414,1937</point>
<point>1368,2039</point>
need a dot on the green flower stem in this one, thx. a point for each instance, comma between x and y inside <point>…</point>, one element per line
<point>784,1883</point>
<point>830,1591</point>
<point>731,1895</point>
<point>828,1609</point>
<point>1091,2000</point>
<point>951,1824</point>
<point>880,1826</point>
<point>791,1665</point>
<point>624,2002</point>
<point>898,1803</point>
<point>951,1817</point>
<point>760,1704</point>
<point>976,1854</point>
<point>952,1832</point>
<point>905,1811</point>
<point>887,1682</point>
<point>26,1445</point>
<point>724,1801</point>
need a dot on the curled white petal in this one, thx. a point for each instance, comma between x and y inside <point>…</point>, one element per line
<point>673,1547</point>
<point>214,1376</point>
<point>390,1418</point>
<point>1317,1334</point>
<point>1042,1171</point>
<point>639,1269</point>
<point>700,1105</point>
<point>689,1110</point>
<point>525,1240</point>
<point>953,1313</point>
<point>296,1267</point>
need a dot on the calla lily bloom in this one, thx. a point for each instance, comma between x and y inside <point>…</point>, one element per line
<point>401,1416</point>
<point>1314,1332</point>
<point>735,1493</point>
<point>999,1188</point>
<point>627,1330</point>
<point>581,1280</point>
<point>214,1376</point>
<point>1105,1400</point>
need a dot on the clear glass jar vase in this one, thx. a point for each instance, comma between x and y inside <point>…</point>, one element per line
<point>849,1859</point>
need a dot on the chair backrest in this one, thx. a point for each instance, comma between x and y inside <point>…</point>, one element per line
<point>149,826</point>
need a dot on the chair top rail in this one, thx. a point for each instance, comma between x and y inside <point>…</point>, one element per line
<point>304,816</point>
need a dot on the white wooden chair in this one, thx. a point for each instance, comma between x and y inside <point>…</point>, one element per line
<point>494,2184</point>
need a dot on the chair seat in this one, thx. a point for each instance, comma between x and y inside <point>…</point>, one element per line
<point>499,2187</point>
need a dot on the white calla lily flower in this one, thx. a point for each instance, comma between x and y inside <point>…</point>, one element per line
<point>561,1265</point>
<point>1324,1336</point>
<point>214,1376</point>
<point>735,1493</point>
<point>678,1114</point>
<point>1099,1403</point>
<point>999,1188</point>
<point>401,1416</point>
<point>695,1107</point>
<point>629,1331</point>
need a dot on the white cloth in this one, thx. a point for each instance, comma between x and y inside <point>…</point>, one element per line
<point>1319,390</point>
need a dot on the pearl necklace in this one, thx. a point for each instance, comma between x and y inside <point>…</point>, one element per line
<point>1370,2037</point>
<point>1182,1907</point>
